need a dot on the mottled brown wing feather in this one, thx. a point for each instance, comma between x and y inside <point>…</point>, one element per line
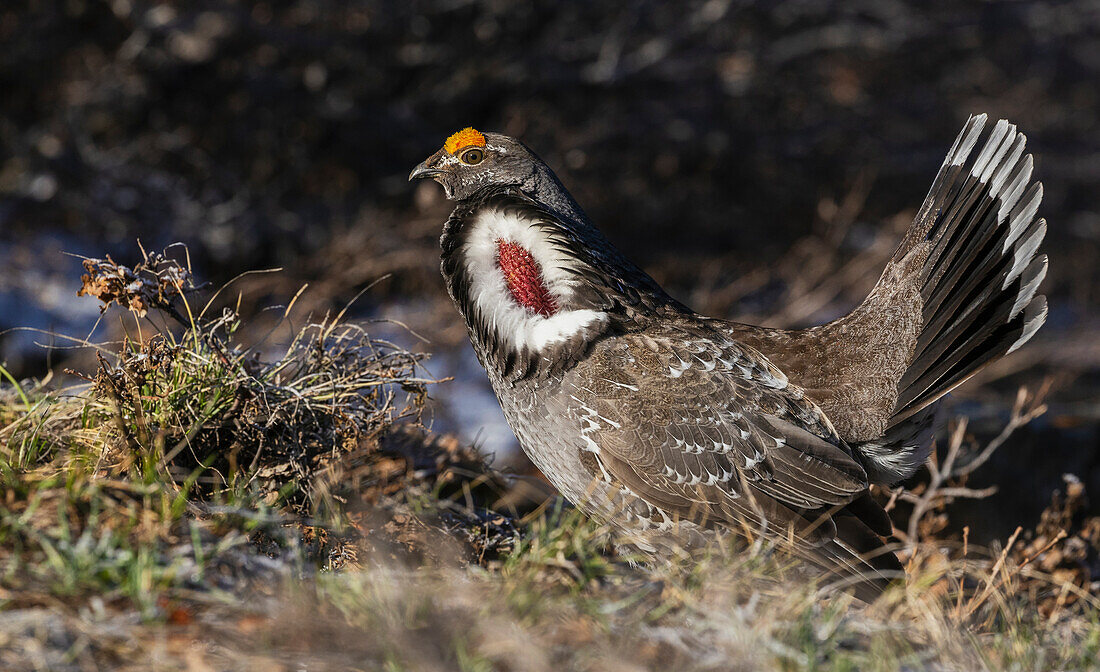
<point>704,427</point>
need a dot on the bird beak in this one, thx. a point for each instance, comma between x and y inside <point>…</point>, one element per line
<point>422,170</point>
<point>429,167</point>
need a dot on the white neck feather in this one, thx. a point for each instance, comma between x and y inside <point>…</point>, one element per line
<point>513,323</point>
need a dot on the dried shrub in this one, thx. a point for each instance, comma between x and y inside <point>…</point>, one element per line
<point>207,412</point>
<point>1062,552</point>
<point>154,282</point>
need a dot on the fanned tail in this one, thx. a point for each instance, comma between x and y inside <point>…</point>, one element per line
<point>979,238</point>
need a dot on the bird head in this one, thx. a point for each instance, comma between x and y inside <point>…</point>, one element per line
<point>470,160</point>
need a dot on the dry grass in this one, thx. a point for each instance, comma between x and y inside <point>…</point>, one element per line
<point>194,505</point>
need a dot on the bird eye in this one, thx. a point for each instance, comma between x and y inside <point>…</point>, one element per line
<point>472,156</point>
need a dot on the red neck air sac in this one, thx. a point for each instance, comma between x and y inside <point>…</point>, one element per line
<point>524,278</point>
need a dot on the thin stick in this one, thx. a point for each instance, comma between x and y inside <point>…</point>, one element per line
<point>989,586</point>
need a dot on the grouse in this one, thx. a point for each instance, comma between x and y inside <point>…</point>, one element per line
<point>645,413</point>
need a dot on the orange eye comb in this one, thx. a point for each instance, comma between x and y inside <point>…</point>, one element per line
<point>467,137</point>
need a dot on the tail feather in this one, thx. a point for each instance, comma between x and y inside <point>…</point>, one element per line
<point>982,271</point>
<point>972,258</point>
<point>988,310</point>
<point>975,291</point>
<point>1006,339</point>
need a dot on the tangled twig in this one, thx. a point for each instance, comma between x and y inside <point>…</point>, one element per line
<point>947,481</point>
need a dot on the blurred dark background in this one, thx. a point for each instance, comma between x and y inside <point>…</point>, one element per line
<point>759,158</point>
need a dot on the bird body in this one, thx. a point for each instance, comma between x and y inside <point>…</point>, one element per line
<point>645,413</point>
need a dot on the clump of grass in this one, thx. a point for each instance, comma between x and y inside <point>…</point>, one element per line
<point>169,403</point>
<point>182,439</point>
<point>564,547</point>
